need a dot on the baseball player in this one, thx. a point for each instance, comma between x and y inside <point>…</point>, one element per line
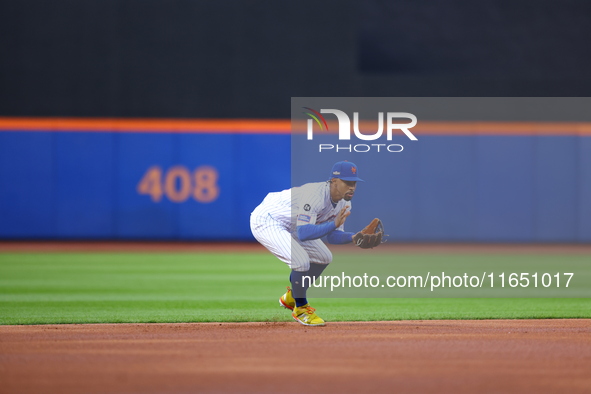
<point>290,224</point>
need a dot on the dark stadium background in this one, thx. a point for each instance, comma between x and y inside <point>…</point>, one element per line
<point>245,59</point>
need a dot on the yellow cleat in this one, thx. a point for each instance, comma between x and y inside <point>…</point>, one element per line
<point>287,301</point>
<point>305,315</point>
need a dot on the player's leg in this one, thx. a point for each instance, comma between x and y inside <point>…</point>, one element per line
<point>281,243</point>
<point>320,256</point>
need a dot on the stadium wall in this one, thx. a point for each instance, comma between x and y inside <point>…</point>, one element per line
<point>119,180</point>
<point>199,180</point>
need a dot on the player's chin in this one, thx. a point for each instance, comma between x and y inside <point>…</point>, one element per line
<point>348,197</point>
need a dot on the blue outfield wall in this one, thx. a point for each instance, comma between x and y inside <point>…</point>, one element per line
<point>102,185</point>
<point>477,188</point>
<point>85,185</point>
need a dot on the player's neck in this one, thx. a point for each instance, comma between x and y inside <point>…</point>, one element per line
<point>334,204</point>
<point>330,186</point>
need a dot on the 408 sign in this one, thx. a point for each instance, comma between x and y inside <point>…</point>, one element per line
<point>178,184</point>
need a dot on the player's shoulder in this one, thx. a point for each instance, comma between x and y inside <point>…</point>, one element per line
<point>312,194</point>
<point>312,188</point>
<point>314,185</point>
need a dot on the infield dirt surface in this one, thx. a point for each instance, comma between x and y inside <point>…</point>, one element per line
<point>541,356</point>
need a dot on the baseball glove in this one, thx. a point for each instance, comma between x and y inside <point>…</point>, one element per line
<point>370,236</point>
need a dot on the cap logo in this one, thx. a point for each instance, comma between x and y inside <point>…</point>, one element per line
<point>345,170</point>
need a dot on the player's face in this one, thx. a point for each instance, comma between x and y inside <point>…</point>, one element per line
<point>340,189</point>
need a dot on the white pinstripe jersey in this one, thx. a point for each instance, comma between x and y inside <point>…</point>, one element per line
<point>306,204</point>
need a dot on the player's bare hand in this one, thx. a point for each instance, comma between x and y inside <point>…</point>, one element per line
<point>341,217</point>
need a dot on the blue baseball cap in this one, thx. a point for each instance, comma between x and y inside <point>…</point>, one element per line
<point>346,171</point>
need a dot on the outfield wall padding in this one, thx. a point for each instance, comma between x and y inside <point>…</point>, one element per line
<point>86,184</point>
<point>73,185</point>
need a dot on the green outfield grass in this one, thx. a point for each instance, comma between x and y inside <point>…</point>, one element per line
<point>128,287</point>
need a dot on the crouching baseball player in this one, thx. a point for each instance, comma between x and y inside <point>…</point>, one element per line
<point>290,224</point>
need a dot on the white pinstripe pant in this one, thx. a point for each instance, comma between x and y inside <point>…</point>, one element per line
<point>295,253</point>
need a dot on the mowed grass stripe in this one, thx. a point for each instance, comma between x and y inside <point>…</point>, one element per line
<point>176,287</point>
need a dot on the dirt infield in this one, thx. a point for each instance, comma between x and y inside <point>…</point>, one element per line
<point>541,356</point>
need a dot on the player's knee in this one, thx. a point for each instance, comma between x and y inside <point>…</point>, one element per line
<point>325,258</point>
<point>300,265</point>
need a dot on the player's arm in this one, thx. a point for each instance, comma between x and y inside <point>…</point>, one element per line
<point>338,237</point>
<point>308,232</point>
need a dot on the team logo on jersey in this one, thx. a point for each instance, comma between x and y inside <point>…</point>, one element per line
<point>307,207</point>
<point>304,218</point>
